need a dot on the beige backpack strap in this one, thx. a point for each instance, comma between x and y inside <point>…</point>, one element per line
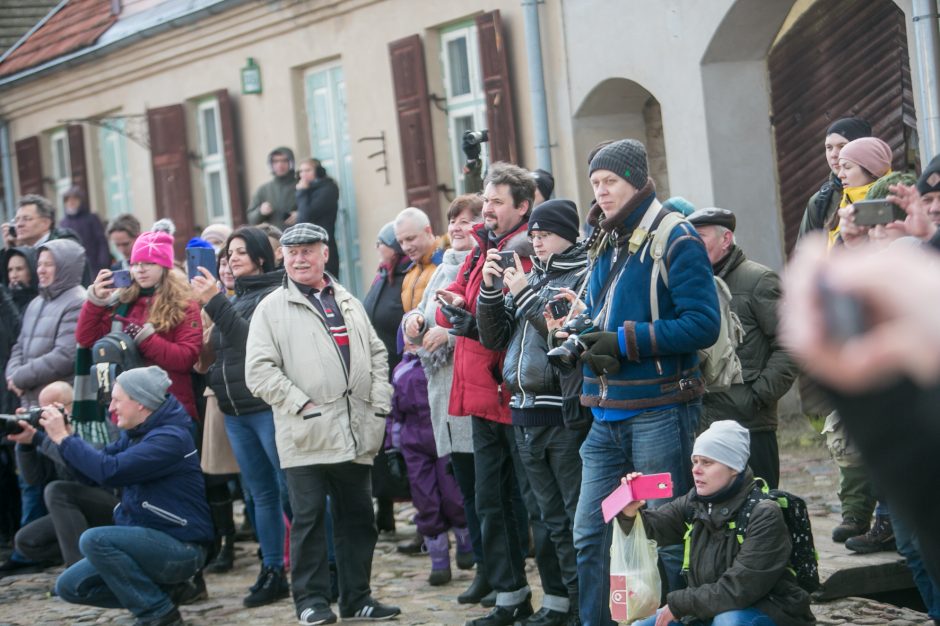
<point>660,240</point>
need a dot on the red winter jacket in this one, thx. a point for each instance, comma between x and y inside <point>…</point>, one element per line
<point>175,351</point>
<point>477,387</point>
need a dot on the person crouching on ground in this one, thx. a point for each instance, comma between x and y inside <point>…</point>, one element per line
<point>730,583</point>
<point>163,527</point>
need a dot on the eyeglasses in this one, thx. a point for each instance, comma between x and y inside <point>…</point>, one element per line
<point>22,219</point>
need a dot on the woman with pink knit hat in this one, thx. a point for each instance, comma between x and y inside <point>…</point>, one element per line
<point>157,310</point>
<point>861,162</point>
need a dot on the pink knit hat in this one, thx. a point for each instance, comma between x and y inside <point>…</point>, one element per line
<point>871,153</point>
<point>153,247</point>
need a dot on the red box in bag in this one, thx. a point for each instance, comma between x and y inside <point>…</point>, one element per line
<point>618,598</point>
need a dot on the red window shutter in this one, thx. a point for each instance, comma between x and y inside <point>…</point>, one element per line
<point>77,157</point>
<point>233,168</point>
<point>499,118</point>
<point>414,127</point>
<point>28,165</point>
<point>169,154</point>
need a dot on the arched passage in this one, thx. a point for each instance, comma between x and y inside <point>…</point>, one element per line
<point>618,108</point>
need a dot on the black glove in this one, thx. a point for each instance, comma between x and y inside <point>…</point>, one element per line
<point>462,320</point>
<point>603,352</point>
<point>472,150</point>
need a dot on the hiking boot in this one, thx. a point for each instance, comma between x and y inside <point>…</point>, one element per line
<point>316,615</point>
<point>439,548</point>
<point>879,539</point>
<point>225,559</point>
<point>413,546</point>
<point>270,587</point>
<point>850,527</point>
<point>505,615</point>
<point>477,590</point>
<point>465,558</point>
<point>547,617</point>
<point>372,610</point>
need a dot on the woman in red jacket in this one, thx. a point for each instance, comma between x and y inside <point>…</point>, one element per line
<point>157,310</point>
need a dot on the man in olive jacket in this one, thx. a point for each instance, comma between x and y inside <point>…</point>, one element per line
<point>767,370</point>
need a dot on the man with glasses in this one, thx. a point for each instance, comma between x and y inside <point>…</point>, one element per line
<point>34,225</point>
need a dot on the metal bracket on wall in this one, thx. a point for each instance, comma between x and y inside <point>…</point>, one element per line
<point>382,153</point>
<point>449,192</point>
<point>135,126</point>
<point>437,100</point>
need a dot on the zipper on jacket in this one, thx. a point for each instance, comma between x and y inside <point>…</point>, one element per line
<point>228,391</point>
<point>525,327</point>
<point>176,519</point>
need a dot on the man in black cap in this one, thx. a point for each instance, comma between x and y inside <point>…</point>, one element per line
<point>315,358</point>
<point>768,371</point>
<point>928,185</point>
<point>825,202</point>
<point>544,186</point>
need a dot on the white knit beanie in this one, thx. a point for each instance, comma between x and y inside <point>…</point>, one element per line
<point>726,442</point>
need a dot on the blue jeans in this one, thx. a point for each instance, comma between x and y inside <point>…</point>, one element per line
<point>127,567</point>
<point>252,439</point>
<point>909,548</point>
<point>656,440</point>
<point>741,617</point>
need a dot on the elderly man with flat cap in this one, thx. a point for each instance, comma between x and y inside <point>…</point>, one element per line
<point>768,371</point>
<point>162,530</point>
<point>315,358</point>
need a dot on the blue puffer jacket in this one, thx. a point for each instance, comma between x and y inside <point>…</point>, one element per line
<point>660,366</point>
<point>157,468</point>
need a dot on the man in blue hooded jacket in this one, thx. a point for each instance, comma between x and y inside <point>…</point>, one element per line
<point>162,524</point>
<point>641,377</point>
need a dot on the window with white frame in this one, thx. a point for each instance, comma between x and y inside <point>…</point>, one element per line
<point>463,89</point>
<point>112,152</point>
<point>61,167</point>
<point>214,183</point>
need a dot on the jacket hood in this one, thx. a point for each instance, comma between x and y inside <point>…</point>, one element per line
<point>170,413</point>
<point>31,255</point>
<point>455,257</point>
<point>69,260</point>
<point>290,157</point>
<point>246,284</point>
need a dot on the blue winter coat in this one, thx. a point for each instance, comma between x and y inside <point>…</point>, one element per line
<point>156,465</point>
<point>660,364</point>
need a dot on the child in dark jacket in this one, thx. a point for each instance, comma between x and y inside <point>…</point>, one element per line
<point>434,490</point>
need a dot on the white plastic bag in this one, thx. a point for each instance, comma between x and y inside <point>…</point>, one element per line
<point>634,574</point>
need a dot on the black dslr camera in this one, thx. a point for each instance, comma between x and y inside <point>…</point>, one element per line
<point>10,424</point>
<point>566,356</point>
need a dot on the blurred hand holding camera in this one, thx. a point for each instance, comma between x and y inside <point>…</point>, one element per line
<point>54,423</point>
<point>898,288</point>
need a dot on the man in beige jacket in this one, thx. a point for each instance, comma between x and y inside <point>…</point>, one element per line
<point>315,358</point>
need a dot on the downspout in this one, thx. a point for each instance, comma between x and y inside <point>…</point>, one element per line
<point>533,44</point>
<point>927,51</point>
<point>6,171</point>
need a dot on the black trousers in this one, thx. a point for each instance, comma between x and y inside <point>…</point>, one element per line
<point>765,457</point>
<point>349,486</point>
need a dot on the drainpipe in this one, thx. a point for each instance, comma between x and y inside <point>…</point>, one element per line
<point>6,171</point>
<point>533,44</point>
<point>927,51</point>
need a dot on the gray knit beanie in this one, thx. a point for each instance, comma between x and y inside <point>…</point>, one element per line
<point>147,385</point>
<point>625,158</point>
<point>727,442</point>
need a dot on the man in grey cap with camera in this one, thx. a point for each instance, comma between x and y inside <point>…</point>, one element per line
<point>768,371</point>
<point>315,358</point>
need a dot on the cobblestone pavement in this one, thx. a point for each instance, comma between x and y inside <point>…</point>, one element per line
<point>401,580</point>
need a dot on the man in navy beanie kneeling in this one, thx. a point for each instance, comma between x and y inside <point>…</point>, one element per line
<point>162,525</point>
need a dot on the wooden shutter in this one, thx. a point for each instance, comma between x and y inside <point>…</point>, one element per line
<point>169,154</point>
<point>414,127</point>
<point>857,65</point>
<point>233,166</point>
<point>28,165</point>
<point>77,157</point>
<point>499,119</point>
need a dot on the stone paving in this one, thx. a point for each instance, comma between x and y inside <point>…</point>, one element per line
<point>401,580</point>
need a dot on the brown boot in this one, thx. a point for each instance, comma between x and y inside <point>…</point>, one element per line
<point>850,527</point>
<point>879,539</point>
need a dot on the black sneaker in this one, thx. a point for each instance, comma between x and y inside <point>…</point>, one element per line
<point>317,615</point>
<point>271,587</point>
<point>373,610</point>
<point>547,617</point>
<point>505,615</point>
<point>173,618</point>
<point>189,592</point>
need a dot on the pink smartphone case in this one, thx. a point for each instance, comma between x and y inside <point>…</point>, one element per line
<point>647,487</point>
